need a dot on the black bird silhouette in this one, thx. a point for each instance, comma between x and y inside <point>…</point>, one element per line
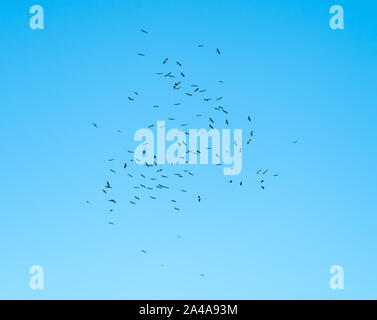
<point>218,51</point>
<point>143,31</point>
<point>125,165</point>
<point>165,61</point>
<point>143,251</point>
<point>178,63</point>
<point>249,118</point>
<point>112,200</point>
<point>95,125</point>
<point>108,186</point>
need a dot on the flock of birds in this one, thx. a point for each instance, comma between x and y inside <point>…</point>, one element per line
<point>154,179</point>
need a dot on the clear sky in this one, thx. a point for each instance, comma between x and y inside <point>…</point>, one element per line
<point>280,63</point>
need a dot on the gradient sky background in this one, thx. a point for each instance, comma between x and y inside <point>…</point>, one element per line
<point>281,64</point>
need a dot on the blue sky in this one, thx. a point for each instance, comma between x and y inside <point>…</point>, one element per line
<point>280,63</point>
